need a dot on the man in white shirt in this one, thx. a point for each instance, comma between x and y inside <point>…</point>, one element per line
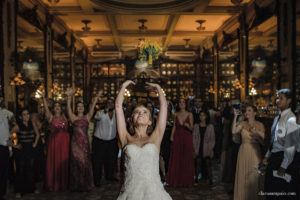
<point>105,144</point>
<point>281,156</point>
<point>5,146</point>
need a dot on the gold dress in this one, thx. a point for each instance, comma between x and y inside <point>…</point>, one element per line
<point>246,185</point>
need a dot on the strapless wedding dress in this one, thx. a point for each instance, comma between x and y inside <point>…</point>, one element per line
<point>142,180</point>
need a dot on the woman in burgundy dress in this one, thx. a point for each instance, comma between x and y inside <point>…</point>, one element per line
<point>81,174</point>
<point>181,165</point>
<point>57,161</point>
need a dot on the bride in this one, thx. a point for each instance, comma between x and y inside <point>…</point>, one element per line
<point>142,180</point>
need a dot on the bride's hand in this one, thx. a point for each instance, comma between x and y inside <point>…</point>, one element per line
<point>155,86</point>
<point>127,83</point>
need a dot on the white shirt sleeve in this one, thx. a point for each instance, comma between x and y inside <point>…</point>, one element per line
<point>289,145</point>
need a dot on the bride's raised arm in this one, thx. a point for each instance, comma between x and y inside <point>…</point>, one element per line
<point>121,123</point>
<point>161,122</point>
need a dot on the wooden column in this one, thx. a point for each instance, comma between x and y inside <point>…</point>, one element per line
<point>243,54</point>
<point>72,65</point>
<point>216,71</point>
<point>86,74</point>
<point>48,53</point>
<point>1,51</point>
<point>8,49</point>
<point>286,35</point>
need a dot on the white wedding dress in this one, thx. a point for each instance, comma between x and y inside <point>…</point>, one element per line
<point>142,180</point>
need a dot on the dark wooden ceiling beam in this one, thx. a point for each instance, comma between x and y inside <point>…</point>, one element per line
<point>111,19</point>
<point>144,34</point>
<point>85,5</point>
<point>172,22</point>
<point>209,10</point>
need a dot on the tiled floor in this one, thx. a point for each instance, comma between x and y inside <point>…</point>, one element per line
<point>109,191</point>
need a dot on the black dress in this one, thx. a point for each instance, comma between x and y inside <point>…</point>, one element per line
<point>24,157</point>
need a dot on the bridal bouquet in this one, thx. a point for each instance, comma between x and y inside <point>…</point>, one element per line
<point>149,51</point>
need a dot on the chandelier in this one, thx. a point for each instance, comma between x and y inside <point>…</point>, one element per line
<point>237,84</point>
<point>221,89</point>
<point>78,92</point>
<point>211,89</point>
<point>17,80</point>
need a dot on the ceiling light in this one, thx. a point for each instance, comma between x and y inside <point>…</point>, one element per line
<point>142,27</point>
<point>187,45</point>
<point>271,45</point>
<point>98,43</point>
<point>200,27</point>
<point>86,22</point>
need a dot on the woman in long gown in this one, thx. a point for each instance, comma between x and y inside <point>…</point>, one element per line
<point>142,180</point>
<point>25,151</point>
<point>181,165</point>
<point>81,174</point>
<point>57,159</point>
<point>246,185</point>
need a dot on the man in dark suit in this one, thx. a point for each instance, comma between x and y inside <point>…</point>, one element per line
<point>198,106</point>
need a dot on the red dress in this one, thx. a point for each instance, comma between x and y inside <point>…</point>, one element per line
<point>181,165</point>
<point>57,164</point>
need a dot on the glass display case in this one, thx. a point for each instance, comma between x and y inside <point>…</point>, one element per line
<point>62,79</point>
<point>107,76</point>
<point>229,83</point>
<point>178,79</point>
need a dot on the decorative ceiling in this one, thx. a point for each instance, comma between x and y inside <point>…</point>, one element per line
<point>120,24</point>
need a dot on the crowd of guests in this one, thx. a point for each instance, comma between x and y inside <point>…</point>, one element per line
<point>70,149</point>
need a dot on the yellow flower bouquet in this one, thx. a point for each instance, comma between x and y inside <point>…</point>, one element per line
<point>149,51</point>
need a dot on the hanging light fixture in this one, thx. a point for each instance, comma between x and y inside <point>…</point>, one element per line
<point>86,22</point>
<point>187,45</point>
<point>237,84</point>
<point>221,90</point>
<point>253,92</point>
<point>200,27</point>
<point>211,89</point>
<point>98,43</point>
<point>17,80</point>
<point>142,27</point>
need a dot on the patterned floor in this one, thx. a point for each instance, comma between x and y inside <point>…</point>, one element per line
<point>109,191</point>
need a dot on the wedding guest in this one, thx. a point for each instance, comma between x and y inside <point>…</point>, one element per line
<point>281,156</point>
<point>5,146</point>
<point>28,137</point>
<point>81,173</point>
<point>105,144</point>
<point>203,143</point>
<point>181,165</point>
<point>249,155</point>
<point>58,144</point>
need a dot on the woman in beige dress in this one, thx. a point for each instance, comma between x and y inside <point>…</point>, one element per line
<point>246,184</point>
